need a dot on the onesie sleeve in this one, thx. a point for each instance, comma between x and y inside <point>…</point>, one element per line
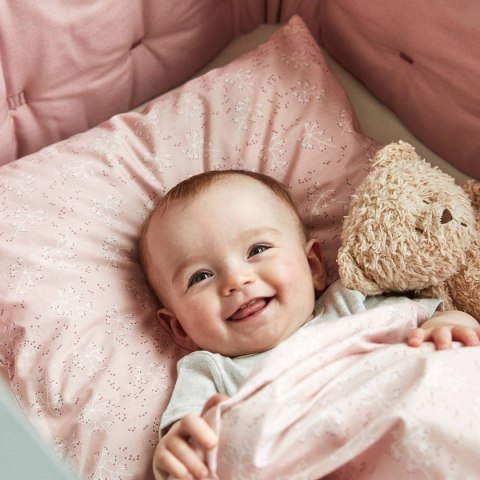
<point>197,380</point>
<point>339,301</point>
<point>432,304</point>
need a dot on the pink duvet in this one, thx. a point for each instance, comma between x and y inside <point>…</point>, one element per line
<point>349,400</point>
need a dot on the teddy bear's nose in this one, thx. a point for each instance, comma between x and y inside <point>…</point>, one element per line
<point>446,216</point>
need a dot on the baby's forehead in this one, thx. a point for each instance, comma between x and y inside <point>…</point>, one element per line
<point>172,212</point>
<point>227,188</point>
<point>172,208</point>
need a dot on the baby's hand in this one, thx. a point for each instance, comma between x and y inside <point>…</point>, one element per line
<point>445,327</point>
<point>175,455</point>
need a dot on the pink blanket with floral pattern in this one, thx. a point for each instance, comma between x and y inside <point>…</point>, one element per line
<point>350,400</point>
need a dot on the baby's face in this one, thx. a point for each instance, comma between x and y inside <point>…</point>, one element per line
<point>231,268</point>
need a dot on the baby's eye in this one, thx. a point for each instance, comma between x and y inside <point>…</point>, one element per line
<point>256,249</point>
<point>198,277</point>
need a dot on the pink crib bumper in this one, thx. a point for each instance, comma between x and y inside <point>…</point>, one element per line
<point>66,67</point>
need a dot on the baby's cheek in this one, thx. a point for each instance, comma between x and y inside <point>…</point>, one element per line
<point>285,275</point>
<point>297,283</point>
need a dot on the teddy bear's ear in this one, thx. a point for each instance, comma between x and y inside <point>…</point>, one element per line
<point>472,187</point>
<point>352,276</point>
<point>394,152</point>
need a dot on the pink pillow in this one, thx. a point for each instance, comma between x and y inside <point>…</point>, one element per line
<point>85,356</point>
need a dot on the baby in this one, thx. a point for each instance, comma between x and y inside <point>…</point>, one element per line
<point>227,255</point>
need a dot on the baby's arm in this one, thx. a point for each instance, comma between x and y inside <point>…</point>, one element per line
<point>175,455</point>
<point>443,327</point>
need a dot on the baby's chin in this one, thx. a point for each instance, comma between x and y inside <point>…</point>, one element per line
<point>251,350</point>
<point>241,352</point>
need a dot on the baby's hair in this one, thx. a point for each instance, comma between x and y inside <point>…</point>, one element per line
<point>195,185</point>
<point>192,186</point>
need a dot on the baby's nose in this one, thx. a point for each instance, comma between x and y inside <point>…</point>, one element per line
<point>237,278</point>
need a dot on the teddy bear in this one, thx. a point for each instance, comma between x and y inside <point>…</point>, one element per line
<point>464,286</point>
<point>411,228</point>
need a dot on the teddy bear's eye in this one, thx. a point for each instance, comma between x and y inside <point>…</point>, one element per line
<point>424,201</point>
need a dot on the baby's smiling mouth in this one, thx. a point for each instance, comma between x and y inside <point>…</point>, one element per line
<point>250,308</point>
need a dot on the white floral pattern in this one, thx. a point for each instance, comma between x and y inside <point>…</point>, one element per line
<point>305,92</point>
<point>242,79</point>
<point>274,153</point>
<point>247,112</point>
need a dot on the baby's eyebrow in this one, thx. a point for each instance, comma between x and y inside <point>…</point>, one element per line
<point>262,231</point>
<point>184,264</point>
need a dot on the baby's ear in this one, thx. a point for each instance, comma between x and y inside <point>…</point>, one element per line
<point>171,324</point>
<point>314,257</point>
<point>352,276</point>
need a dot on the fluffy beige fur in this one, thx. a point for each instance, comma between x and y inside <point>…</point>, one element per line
<point>411,228</point>
<point>464,286</point>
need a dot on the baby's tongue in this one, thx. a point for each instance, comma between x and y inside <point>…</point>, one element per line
<point>249,309</point>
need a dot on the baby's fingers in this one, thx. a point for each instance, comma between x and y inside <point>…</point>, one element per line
<point>416,337</point>
<point>441,336</point>
<point>192,427</point>
<point>198,429</point>
<point>176,455</point>
<point>214,400</point>
<point>166,461</point>
<point>467,335</point>
<point>184,463</point>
